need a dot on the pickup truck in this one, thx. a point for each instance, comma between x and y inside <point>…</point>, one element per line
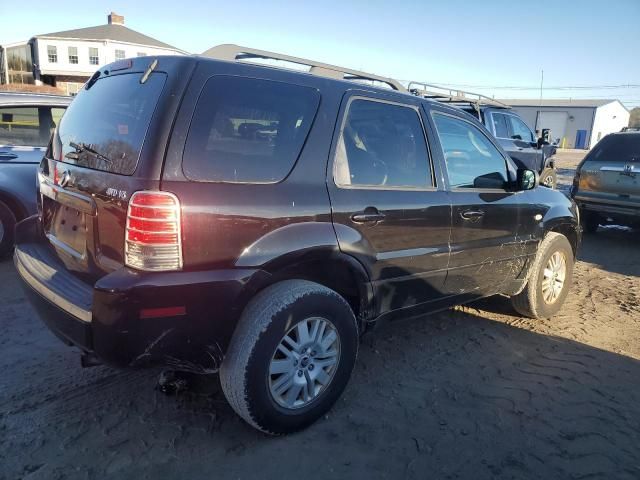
<point>511,132</point>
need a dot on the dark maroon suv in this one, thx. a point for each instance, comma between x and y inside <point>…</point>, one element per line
<point>220,216</point>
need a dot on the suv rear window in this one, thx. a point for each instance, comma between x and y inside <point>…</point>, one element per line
<point>111,118</point>
<point>246,130</point>
<point>617,148</point>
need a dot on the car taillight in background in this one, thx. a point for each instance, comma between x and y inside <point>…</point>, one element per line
<point>576,182</point>
<point>153,236</point>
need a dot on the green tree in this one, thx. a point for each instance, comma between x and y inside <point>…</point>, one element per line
<point>634,118</point>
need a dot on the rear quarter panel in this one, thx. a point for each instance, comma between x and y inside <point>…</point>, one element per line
<point>251,225</point>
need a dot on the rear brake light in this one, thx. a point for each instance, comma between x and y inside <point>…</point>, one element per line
<point>153,234</point>
<point>576,183</point>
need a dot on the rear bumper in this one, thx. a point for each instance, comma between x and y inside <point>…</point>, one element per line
<point>613,210</point>
<point>105,318</point>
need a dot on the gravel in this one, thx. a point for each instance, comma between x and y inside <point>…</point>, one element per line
<point>474,392</point>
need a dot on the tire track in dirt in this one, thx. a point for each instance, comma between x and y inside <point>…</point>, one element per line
<point>475,392</point>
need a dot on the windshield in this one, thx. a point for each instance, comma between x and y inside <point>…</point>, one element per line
<point>105,126</point>
<point>618,148</point>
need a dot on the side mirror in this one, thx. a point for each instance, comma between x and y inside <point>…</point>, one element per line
<point>526,179</point>
<point>516,137</point>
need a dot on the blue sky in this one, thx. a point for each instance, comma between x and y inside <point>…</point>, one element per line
<point>488,43</point>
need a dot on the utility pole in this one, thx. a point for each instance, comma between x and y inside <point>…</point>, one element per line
<point>540,106</point>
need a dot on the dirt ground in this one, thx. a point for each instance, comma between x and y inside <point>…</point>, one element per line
<point>476,392</point>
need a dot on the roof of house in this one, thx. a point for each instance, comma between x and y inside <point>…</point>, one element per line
<point>116,32</point>
<point>568,102</point>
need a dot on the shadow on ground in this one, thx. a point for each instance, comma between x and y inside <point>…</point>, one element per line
<point>450,396</point>
<point>613,249</point>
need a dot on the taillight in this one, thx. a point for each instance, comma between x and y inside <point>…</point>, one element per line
<point>576,183</point>
<point>153,235</point>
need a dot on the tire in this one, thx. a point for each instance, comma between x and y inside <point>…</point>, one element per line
<point>590,222</point>
<point>531,302</point>
<point>549,178</point>
<point>246,373</point>
<point>7,233</point>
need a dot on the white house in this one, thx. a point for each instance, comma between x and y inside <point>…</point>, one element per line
<point>67,59</point>
<point>574,123</point>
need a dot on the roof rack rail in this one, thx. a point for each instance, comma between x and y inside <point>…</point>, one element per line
<point>449,95</point>
<point>232,53</point>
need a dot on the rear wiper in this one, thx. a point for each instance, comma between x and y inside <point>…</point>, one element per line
<point>83,147</point>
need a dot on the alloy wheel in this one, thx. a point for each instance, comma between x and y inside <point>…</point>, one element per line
<point>304,363</point>
<point>548,181</point>
<point>554,275</point>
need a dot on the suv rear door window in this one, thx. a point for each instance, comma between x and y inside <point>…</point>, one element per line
<point>110,118</point>
<point>472,160</point>
<point>500,125</point>
<point>382,145</point>
<point>520,129</point>
<point>246,130</point>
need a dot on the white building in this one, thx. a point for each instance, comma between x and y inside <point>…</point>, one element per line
<point>67,59</point>
<point>574,123</point>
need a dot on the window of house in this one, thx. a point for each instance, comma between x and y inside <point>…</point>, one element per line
<point>248,130</point>
<point>519,130</point>
<point>19,64</point>
<point>73,55</point>
<point>120,54</point>
<point>382,145</point>
<point>93,56</point>
<point>500,125</point>
<point>141,54</point>
<point>52,53</point>
<point>472,160</point>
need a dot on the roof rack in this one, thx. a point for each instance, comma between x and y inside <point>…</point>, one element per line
<point>232,53</point>
<point>448,95</point>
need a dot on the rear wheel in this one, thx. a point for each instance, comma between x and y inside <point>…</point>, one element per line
<point>290,357</point>
<point>549,178</point>
<point>7,226</point>
<point>549,280</point>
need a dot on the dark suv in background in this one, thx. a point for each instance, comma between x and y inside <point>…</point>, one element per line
<point>210,214</point>
<point>512,133</point>
<point>26,123</point>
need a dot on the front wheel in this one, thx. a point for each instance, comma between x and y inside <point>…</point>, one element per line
<point>549,178</point>
<point>549,280</point>
<point>290,357</point>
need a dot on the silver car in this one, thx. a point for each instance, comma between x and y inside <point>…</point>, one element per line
<point>26,123</point>
<point>606,185</point>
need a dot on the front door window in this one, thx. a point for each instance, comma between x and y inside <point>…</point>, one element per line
<point>472,160</point>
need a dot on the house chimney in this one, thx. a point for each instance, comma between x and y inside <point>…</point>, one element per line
<point>115,19</point>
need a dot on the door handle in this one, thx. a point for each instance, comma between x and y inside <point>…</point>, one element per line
<point>7,156</point>
<point>370,215</point>
<point>472,214</point>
